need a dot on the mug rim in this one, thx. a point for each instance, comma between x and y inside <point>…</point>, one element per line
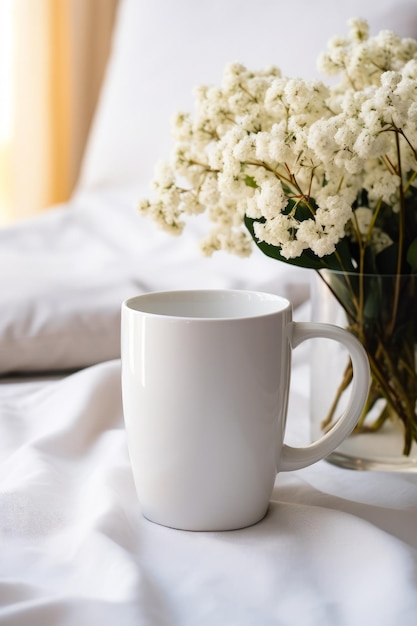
<point>177,295</point>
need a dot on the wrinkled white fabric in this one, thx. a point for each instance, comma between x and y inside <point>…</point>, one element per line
<point>337,548</point>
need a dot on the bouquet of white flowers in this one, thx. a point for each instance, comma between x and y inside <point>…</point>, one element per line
<point>319,176</point>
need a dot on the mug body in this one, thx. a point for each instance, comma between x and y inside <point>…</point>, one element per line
<point>205,381</point>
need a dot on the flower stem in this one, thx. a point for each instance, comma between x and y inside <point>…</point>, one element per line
<point>401,226</point>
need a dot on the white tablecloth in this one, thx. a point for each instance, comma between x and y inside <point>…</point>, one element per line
<point>337,547</point>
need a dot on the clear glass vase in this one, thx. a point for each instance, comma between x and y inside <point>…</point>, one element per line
<point>381,311</point>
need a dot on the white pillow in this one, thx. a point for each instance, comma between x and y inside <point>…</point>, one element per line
<point>163,48</point>
<point>61,289</point>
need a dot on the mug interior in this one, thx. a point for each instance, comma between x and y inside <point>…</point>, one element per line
<point>208,304</point>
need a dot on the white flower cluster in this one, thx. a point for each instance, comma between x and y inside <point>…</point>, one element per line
<point>296,155</point>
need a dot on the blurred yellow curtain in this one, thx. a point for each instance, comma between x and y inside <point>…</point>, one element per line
<point>5,103</point>
<point>60,50</point>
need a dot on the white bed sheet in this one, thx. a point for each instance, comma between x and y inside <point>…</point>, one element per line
<point>337,547</point>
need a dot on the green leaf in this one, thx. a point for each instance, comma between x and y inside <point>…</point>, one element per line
<point>251,182</point>
<point>373,305</point>
<point>343,259</point>
<point>412,254</point>
<point>300,210</point>
<point>308,259</point>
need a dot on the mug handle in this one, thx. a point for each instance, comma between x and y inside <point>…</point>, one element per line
<point>297,458</point>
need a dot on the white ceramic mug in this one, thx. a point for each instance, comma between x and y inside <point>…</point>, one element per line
<point>205,382</point>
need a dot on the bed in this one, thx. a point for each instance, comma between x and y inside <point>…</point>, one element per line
<point>337,547</point>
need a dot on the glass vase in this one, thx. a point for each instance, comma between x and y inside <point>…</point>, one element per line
<point>381,310</point>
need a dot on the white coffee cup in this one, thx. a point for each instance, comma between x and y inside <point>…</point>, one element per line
<point>205,382</point>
